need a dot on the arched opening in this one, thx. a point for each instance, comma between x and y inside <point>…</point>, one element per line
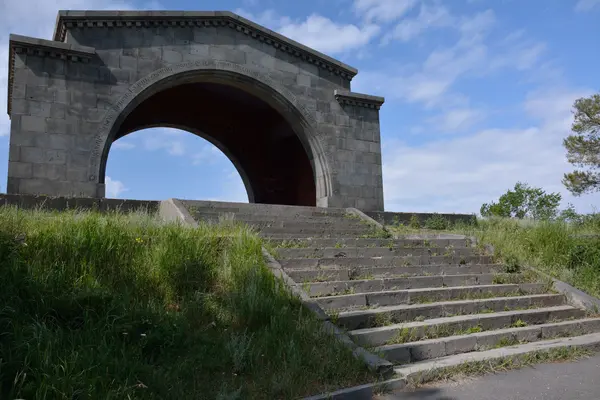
<point>260,142</point>
<point>159,163</point>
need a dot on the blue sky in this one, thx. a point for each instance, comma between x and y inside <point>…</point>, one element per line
<point>478,94</point>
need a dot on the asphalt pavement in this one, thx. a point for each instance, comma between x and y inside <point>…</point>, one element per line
<point>578,380</point>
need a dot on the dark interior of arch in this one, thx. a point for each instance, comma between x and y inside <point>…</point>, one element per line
<point>264,144</point>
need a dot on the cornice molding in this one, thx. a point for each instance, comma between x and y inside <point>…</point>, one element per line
<point>359,99</point>
<point>140,19</point>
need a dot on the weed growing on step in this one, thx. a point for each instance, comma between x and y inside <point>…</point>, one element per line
<point>518,324</point>
<point>383,319</point>
<point>527,276</point>
<point>506,342</point>
<point>292,244</point>
<point>123,306</point>
<point>476,368</point>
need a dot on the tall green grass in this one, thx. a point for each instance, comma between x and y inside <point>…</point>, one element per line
<point>125,307</point>
<point>567,251</point>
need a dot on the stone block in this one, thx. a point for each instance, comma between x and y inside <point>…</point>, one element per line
<point>460,344</point>
<point>58,141</point>
<point>41,187</point>
<point>488,340</point>
<point>19,90</point>
<point>51,172</point>
<point>12,185</point>
<point>77,175</point>
<point>39,93</point>
<point>398,354</point>
<point>200,50</point>
<point>57,111</point>
<point>33,123</point>
<point>427,350</point>
<point>40,109</point>
<point>304,80</point>
<point>14,153</point>
<point>20,169</point>
<point>66,126</point>
<point>528,334</point>
<point>62,96</point>
<point>220,53</point>
<point>109,58</point>
<point>172,57</point>
<point>150,53</point>
<point>123,75</point>
<point>387,298</point>
<point>54,66</point>
<point>347,301</point>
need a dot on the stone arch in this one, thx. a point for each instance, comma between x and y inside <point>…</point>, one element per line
<point>247,79</point>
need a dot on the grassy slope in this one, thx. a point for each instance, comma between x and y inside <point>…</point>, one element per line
<point>549,246</point>
<point>118,307</point>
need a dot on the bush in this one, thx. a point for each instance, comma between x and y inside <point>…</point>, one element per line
<point>437,222</point>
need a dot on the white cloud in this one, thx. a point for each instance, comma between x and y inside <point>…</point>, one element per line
<point>458,175</point>
<point>456,119</point>
<point>473,54</point>
<point>208,154</point>
<point>429,17</point>
<point>164,139</point>
<point>114,188</point>
<point>316,31</point>
<point>122,145</point>
<point>383,10</point>
<point>586,5</point>
<point>327,36</point>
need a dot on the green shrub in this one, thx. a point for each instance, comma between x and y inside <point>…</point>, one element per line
<point>437,222</point>
<point>414,222</point>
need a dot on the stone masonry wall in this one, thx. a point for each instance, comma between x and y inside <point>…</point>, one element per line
<point>60,98</point>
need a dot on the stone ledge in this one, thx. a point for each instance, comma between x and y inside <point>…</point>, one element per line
<point>19,44</point>
<point>131,19</point>
<point>358,99</point>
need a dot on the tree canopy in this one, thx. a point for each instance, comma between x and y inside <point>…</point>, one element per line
<point>524,202</point>
<point>583,147</point>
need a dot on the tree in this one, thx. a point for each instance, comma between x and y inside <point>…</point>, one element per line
<point>583,148</point>
<point>524,202</point>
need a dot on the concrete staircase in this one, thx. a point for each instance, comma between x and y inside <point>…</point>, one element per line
<point>421,303</point>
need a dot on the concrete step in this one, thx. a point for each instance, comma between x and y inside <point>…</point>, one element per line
<point>413,331</point>
<point>316,230</point>
<point>391,261</point>
<point>361,319</point>
<point>424,371</point>
<point>323,235</point>
<point>480,341</point>
<point>300,225</point>
<point>212,215</point>
<point>358,242</point>
<point>331,288</point>
<point>369,252</point>
<point>283,223</point>
<point>365,273</point>
<point>411,296</point>
<point>253,208</point>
